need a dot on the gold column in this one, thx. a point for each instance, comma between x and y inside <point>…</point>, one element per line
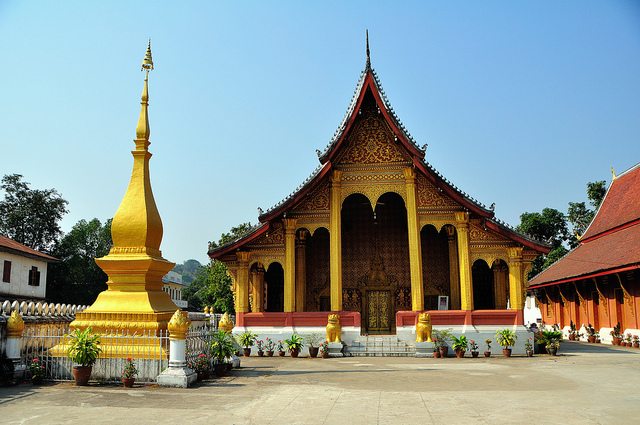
<point>301,271</point>
<point>289,264</point>
<point>516,286</point>
<point>454,270</point>
<point>242,285</point>
<point>500,286</point>
<point>466,286</point>
<point>415,254</point>
<point>257,276</point>
<point>335,242</point>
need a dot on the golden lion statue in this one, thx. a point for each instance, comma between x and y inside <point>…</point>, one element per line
<point>225,323</point>
<point>423,328</point>
<point>334,330</point>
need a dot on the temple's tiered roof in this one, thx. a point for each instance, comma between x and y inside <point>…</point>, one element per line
<point>369,82</point>
<point>612,241</point>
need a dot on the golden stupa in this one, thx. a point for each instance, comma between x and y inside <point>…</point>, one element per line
<point>134,303</point>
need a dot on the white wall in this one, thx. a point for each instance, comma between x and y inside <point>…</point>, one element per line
<point>19,285</point>
<point>531,311</point>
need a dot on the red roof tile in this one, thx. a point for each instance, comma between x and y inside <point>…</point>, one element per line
<point>611,242</point>
<point>13,246</point>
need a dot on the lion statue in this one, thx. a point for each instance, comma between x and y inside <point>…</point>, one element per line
<point>334,330</point>
<point>423,328</point>
<point>225,323</point>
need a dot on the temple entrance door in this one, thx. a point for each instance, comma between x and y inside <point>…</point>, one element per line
<point>378,311</point>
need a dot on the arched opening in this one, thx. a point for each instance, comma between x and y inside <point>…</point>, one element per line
<point>375,254</point>
<point>257,288</point>
<point>274,281</point>
<point>482,276</point>
<point>436,273</point>
<point>318,292</point>
<point>500,271</point>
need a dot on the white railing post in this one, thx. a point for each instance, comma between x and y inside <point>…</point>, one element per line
<point>177,374</point>
<point>15,330</point>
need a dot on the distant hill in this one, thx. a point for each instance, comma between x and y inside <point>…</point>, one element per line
<point>188,270</point>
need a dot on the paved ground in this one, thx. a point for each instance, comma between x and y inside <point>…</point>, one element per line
<point>588,384</point>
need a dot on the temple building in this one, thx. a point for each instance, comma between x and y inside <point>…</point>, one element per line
<point>378,235</point>
<point>598,282</point>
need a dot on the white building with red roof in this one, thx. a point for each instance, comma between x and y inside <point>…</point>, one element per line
<point>23,270</point>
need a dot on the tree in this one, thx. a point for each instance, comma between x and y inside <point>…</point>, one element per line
<point>77,278</point>
<point>549,226</point>
<point>235,232</point>
<point>30,216</point>
<point>212,287</point>
<point>579,215</point>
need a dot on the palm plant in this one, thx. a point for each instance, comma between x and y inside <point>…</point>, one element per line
<point>84,347</point>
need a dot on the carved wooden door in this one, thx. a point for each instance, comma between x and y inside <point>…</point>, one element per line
<point>379,311</point>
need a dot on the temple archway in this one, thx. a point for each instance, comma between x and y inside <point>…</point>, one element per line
<point>375,260</point>
<point>274,282</point>
<point>317,288</point>
<point>483,290</point>
<point>436,277</point>
<point>500,271</point>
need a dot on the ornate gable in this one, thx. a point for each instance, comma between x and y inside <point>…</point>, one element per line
<point>275,236</point>
<point>430,198</point>
<point>371,142</point>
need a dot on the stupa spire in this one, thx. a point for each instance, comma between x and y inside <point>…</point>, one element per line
<point>142,130</point>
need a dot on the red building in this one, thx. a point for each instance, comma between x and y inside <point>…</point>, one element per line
<point>598,282</point>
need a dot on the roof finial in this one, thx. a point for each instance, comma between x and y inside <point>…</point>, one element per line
<point>613,173</point>
<point>368,52</point>
<point>142,130</point>
<point>147,62</point>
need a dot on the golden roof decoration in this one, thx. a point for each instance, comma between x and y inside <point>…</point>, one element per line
<point>15,325</point>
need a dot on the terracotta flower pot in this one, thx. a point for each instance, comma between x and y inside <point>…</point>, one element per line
<point>506,352</point>
<point>529,353</point>
<point>475,354</point>
<point>444,351</point>
<point>294,353</point>
<point>436,354</point>
<point>220,369</point>
<point>246,351</point>
<point>552,350</point>
<point>81,374</point>
<point>325,354</point>
<point>128,382</point>
<point>281,353</point>
<point>460,353</point>
<point>487,353</point>
<point>591,338</point>
<point>270,353</point>
<point>572,337</point>
<point>636,344</point>
<point>313,351</point>
<point>260,353</point>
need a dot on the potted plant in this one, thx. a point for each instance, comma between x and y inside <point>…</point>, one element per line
<point>616,333</point>
<point>313,340</point>
<point>460,345</point>
<point>280,347</point>
<point>200,365</point>
<point>129,373</point>
<point>572,331</point>
<point>222,348</point>
<point>506,338</point>
<point>247,339</point>
<point>294,344</point>
<point>84,349</point>
<point>598,340</point>
<point>553,346</point>
<point>591,333</point>
<point>636,341</point>
<point>324,349</point>
<point>37,370</point>
<point>528,348</point>
<point>474,348</point>
<point>443,336</point>
<point>260,345</point>
<point>487,352</point>
<point>269,345</point>
<point>545,337</point>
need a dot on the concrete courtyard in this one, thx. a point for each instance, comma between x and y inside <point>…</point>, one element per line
<point>586,384</point>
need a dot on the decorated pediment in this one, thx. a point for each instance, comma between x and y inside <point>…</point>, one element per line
<point>429,196</point>
<point>318,200</point>
<point>479,235</point>
<point>371,142</point>
<point>275,236</point>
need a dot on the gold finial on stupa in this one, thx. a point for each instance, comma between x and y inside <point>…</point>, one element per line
<point>147,62</point>
<point>15,325</point>
<point>142,130</point>
<point>613,173</point>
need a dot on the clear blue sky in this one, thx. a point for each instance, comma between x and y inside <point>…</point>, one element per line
<point>521,103</point>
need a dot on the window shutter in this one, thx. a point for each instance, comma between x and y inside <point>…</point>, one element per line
<point>6,271</point>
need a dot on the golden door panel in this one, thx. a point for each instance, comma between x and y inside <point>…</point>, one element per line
<point>378,311</point>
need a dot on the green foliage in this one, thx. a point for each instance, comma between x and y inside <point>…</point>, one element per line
<point>442,336</point>
<point>30,216</point>
<point>506,338</point>
<point>247,339</point>
<point>294,343</point>
<point>222,346</point>
<point>84,347</point>
<point>77,279</point>
<point>234,233</point>
<point>545,337</point>
<point>188,270</point>
<point>212,287</point>
<point>550,226</point>
<point>460,343</point>
<point>313,339</point>
<point>595,192</point>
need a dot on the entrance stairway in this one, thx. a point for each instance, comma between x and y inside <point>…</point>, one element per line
<point>380,346</point>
